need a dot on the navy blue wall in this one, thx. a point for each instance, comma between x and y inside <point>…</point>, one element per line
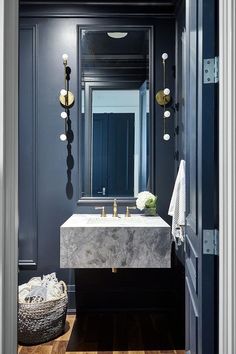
<point>180,116</point>
<point>164,150</point>
<point>44,204</point>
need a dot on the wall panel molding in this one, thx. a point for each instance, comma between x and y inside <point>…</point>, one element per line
<point>227,175</point>
<point>28,235</point>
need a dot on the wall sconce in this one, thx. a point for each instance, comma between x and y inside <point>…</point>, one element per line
<point>66,98</point>
<point>163,98</point>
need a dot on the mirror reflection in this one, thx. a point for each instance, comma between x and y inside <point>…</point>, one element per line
<point>115,117</point>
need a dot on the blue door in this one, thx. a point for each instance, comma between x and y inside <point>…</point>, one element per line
<point>144,137</point>
<point>201,173</point>
<point>113,154</point>
<point>100,152</point>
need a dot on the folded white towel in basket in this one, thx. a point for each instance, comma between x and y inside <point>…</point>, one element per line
<point>37,289</point>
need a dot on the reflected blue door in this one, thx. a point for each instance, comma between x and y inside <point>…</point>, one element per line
<point>113,154</point>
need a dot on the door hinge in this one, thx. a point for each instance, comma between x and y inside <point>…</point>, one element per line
<point>211,70</point>
<point>211,242</point>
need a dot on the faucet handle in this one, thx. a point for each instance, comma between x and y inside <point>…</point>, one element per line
<point>115,210</point>
<point>127,214</point>
<point>103,213</point>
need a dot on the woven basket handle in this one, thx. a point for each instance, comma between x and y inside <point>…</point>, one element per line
<point>64,286</point>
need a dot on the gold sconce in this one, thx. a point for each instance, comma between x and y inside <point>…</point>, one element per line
<point>163,98</point>
<point>66,98</point>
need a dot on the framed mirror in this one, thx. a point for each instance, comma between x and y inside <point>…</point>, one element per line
<point>116,117</point>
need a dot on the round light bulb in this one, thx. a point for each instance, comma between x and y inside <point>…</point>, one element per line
<point>63,137</point>
<point>63,92</point>
<point>65,57</point>
<point>166,137</point>
<point>167,114</point>
<point>166,91</point>
<point>164,56</point>
<point>63,115</point>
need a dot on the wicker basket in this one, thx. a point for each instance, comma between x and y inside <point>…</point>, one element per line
<point>43,321</point>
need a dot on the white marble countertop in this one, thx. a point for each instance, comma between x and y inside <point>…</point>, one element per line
<point>90,241</point>
<point>95,220</point>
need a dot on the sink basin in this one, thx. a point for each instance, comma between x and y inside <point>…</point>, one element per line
<point>103,221</point>
<point>115,221</point>
<point>90,241</point>
<point>94,220</point>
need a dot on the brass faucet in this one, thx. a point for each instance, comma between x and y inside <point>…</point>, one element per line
<point>128,208</point>
<point>115,211</point>
<point>103,213</point>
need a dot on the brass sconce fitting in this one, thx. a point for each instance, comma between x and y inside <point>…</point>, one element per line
<point>163,98</point>
<point>66,98</point>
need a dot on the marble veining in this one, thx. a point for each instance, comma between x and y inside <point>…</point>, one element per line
<point>136,242</point>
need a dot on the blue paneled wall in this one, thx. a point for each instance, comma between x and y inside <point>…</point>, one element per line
<point>44,204</point>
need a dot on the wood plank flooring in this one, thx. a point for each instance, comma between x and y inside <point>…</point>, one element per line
<point>109,333</point>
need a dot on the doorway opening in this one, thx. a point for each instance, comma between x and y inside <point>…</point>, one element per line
<point>46,268</point>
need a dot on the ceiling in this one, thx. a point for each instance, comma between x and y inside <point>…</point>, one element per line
<point>130,3</point>
<point>102,3</point>
<point>141,7</point>
<point>106,58</point>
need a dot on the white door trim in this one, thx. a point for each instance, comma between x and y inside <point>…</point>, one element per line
<point>8,174</point>
<point>227,175</point>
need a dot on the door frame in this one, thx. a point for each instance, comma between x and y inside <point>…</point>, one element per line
<point>227,177</point>
<point>9,18</point>
<point>9,176</point>
<point>85,174</point>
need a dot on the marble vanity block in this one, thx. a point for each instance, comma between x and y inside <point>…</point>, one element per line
<point>89,241</point>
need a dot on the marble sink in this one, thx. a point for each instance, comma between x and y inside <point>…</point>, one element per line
<point>90,241</point>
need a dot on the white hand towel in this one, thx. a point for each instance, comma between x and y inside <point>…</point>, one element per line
<point>177,206</point>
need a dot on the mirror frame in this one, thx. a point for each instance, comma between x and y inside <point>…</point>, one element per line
<point>117,84</point>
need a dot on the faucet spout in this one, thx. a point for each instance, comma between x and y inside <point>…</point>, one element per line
<point>115,210</point>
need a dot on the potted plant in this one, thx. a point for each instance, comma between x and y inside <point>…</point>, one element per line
<point>148,202</point>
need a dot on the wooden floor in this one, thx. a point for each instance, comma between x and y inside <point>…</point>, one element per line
<point>119,333</point>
